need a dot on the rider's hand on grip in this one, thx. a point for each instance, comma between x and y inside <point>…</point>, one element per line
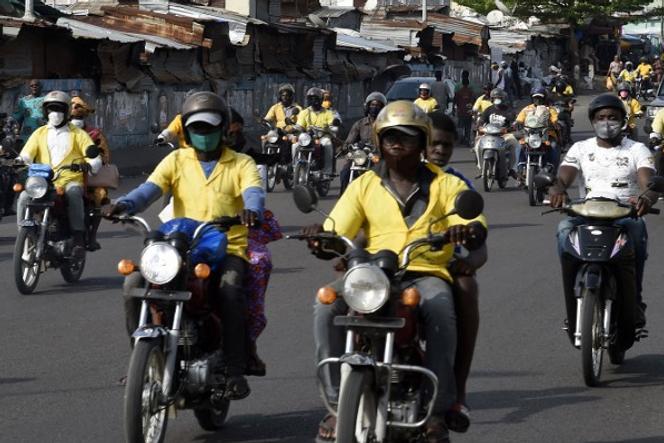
<point>249,218</point>
<point>116,209</point>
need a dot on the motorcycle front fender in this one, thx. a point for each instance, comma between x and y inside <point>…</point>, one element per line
<point>590,277</point>
<point>28,223</point>
<point>489,154</point>
<point>356,359</point>
<point>146,332</point>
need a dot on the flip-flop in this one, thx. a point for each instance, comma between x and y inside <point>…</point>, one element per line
<point>327,426</point>
<point>457,418</point>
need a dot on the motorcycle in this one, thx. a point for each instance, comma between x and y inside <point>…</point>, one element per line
<point>10,145</point>
<point>604,317</point>
<point>44,240</point>
<point>308,162</point>
<point>495,155</point>
<point>386,393</point>
<point>274,141</point>
<point>565,122</point>
<point>643,89</point>
<point>175,362</point>
<point>362,156</point>
<point>535,144</point>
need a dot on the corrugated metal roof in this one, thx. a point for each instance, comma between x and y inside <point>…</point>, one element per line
<point>400,32</point>
<point>508,41</point>
<point>465,32</point>
<point>348,38</point>
<point>332,12</point>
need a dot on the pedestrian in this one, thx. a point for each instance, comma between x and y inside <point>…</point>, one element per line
<point>29,113</point>
<point>497,76</point>
<point>615,67</point>
<point>463,101</point>
<point>516,78</point>
<point>439,90</point>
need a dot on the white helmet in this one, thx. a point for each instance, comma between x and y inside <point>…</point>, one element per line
<point>426,86</point>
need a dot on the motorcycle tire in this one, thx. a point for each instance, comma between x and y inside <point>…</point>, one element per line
<point>26,267</point>
<point>271,181</point>
<point>300,175</point>
<point>532,190</point>
<point>212,419</point>
<point>616,355</point>
<point>592,350</point>
<point>72,270</point>
<point>146,371</point>
<point>357,401</point>
<point>287,178</point>
<point>488,174</point>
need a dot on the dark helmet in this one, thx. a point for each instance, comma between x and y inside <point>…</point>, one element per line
<point>605,101</point>
<point>207,107</point>
<point>377,96</point>
<point>538,92</point>
<point>315,92</point>
<point>488,87</point>
<point>624,87</point>
<point>643,59</point>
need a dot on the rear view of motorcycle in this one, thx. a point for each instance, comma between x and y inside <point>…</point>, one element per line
<point>274,143</point>
<point>495,157</point>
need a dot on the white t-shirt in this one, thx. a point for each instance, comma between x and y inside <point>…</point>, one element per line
<point>610,172</point>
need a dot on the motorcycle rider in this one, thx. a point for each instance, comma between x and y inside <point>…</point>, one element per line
<point>283,113</point>
<point>60,143</point>
<point>613,166</point>
<point>502,115</point>
<point>465,287</point>
<point>29,113</point>
<point>80,110</point>
<point>538,97</point>
<point>484,100</point>
<point>644,71</point>
<point>316,115</point>
<point>209,181</point>
<point>632,107</point>
<point>362,131</point>
<point>628,74</point>
<point>424,99</point>
<point>388,202</point>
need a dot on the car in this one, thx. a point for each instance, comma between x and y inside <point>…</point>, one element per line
<point>652,107</point>
<point>407,88</point>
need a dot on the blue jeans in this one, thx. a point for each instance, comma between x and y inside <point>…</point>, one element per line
<point>636,232</point>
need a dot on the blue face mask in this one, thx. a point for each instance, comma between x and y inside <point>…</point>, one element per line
<point>205,142</point>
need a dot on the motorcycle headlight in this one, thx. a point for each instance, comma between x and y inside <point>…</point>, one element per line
<point>272,136</point>
<point>36,187</point>
<point>534,140</point>
<point>359,157</point>
<point>304,139</point>
<point>160,263</point>
<point>366,288</point>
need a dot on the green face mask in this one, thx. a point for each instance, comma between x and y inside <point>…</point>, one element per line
<point>205,142</point>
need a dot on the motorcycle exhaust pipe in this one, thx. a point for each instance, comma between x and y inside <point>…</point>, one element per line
<point>577,331</point>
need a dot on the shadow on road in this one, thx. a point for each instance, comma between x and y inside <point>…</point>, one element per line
<point>14,380</point>
<point>512,225</point>
<point>525,403</point>
<point>292,427</point>
<point>659,439</point>
<point>642,370</point>
<point>497,374</point>
<point>83,286</point>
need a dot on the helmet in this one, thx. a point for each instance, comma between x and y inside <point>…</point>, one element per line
<point>503,64</point>
<point>286,87</point>
<point>643,59</point>
<point>605,101</point>
<point>315,92</point>
<point>629,64</point>
<point>379,97</point>
<point>57,97</point>
<point>426,86</point>
<point>206,107</point>
<point>488,87</point>
<point>624,87</point>
<point>538,92</point>
<point>498,93</point>
<point>403,115</point>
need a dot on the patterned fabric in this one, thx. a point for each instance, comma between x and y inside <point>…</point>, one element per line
<point>260,267</point>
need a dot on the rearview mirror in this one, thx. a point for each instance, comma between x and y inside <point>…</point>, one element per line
<point>656,184</point>
<point>305,198</point>
<point>544,180</point>
<point>468,204</point>
<point>92,151</point>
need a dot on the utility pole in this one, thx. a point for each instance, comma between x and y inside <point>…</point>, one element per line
<point>29,15</point>
<point>424,10</point>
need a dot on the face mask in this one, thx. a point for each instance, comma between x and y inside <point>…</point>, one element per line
<point>205,142</point>
<point>624,94</point>
<point>373,111</point>
<point>538,101</point>
<point>607,129</point>
<point>497,101</point>
<point>56,118</point>
<point>78,122</point>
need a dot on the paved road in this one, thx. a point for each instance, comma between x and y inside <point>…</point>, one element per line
<point>64,348</point>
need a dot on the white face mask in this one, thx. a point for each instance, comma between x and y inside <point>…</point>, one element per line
<point>497,101</point>
<point>78,122</point>
<point>55,118</point>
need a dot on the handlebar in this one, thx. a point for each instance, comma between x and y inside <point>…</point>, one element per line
<point>132,219</point>
<point>223,223</point>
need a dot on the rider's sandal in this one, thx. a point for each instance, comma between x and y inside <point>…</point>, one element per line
<point>437,431</point>
<point>327,429</point>
<point>237,388</point>
<point>457,418</point>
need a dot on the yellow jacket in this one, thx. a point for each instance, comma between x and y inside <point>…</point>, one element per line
<point>367,204</point>
<point>658,122</point>
<point>428,105</point>
<point>481,104</point>
<point>176,129</point>
<point>204,199</point>
<point>627,76</point>
<point>521,118</point>
<point>644,69</point>
<point>633,109</point>
<point>36,151</point>
<point>277,115</point>
<point>309,117</point>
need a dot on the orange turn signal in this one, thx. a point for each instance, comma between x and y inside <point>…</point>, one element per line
<point>375,159</point>
<point>60,191</point>
<point>318,141</point>
<point>326,295</point>
<point>285,138</point>
<point>126,267</point>
<point>410,297</point>
<point>17,187</point>
<point>202,271</point>
<point>263,137</point>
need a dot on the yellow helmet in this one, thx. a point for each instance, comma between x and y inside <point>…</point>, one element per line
<point>404,116</point>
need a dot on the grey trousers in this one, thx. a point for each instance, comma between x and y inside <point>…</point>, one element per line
<point>75,206</point>
<point>438,317</point>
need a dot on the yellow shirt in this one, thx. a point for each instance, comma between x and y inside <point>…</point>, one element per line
<point>204,199</point>
<point>309,117</point>
<point>176,130</point>
<point>36,150</point>
<point>481,104</point>
<point>277,114</point>
<point>644,69</point>
<point>658,122</point>
<point>429,105</point>
<point>521,118</point>
<point>627,76</point>
<point>367,205</point>
<point>633,108</point>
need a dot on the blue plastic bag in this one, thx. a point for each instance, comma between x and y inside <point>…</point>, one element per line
<point>40,170</point>
<point>211,245</point>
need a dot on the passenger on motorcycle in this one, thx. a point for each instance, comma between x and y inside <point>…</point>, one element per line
<point>362,130</point>
<point>465,288</point>
<point>483,101</point>
<point>210,181</point>
<point>612,166</point>
<point>540,105</point>
<point>425,100</point>
<point>60,143</point>
<point>316,115</point>
<point>80,110</point>
<point>562,86</point>
<point>329,105</point>
<point>501,114</point>
<point>632,107</point>
<point>392,204</point>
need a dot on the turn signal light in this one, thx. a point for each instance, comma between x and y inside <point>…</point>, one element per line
<point>318,141</point>
<point>326,295</point>
<point>126,267</point>
<point>60,191</point>
<point>375,159</point>
<point>410,297</point>
<point>263,137</point>
<point>202,271</point>
<point>285,138</point>
<point>17,187</point>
